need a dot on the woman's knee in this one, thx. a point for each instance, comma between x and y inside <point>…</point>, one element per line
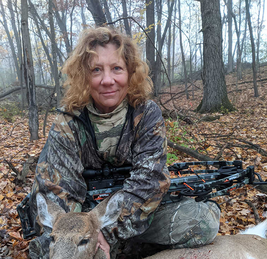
<point>196,224</point>
<point>186,224</point>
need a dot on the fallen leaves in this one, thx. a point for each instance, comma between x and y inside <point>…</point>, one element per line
<point>16,235</point>
<point>16,148</point>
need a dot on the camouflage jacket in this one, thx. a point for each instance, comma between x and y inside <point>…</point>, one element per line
<point>71,147</point>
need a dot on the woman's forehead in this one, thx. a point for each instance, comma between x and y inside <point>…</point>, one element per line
<point>108,52</point>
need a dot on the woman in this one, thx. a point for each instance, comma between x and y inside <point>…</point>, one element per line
<point>107,119</point>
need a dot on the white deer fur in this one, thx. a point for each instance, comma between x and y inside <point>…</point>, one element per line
<point>75,235</point>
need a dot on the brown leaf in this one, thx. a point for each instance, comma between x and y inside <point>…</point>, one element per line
<point>16,235</point>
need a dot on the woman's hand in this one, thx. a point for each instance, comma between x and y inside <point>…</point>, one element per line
<point>103,244</point>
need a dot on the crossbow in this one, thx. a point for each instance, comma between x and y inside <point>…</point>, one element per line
<point>202,184</point>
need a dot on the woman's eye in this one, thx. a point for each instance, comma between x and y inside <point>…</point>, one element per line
<point>96,69</point>
<point>117,68</point>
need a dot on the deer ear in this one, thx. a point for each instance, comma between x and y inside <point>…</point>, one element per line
<point>48,211</point>
<point>113,209</point>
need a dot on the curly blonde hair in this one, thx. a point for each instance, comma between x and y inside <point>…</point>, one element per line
<point>77,68</point>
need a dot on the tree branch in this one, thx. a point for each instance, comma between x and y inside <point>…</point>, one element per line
<point>189,152</point>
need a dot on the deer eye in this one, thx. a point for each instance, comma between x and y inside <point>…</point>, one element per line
<point>84,242</point>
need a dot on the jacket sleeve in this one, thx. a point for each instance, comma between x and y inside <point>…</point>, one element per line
<point>149,180</point>
<point>59,170</point>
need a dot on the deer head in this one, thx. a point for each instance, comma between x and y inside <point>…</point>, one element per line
<point>75,234</point>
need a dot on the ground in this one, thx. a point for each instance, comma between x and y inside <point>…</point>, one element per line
<point>239,135</point>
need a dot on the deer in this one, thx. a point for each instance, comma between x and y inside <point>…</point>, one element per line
<point>74,234</point>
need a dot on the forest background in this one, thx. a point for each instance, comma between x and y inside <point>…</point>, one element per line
<point>208,63</point>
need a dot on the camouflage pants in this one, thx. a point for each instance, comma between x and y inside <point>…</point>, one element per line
<point>182,225</point>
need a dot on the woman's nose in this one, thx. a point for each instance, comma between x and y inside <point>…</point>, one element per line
<point>107,79</point>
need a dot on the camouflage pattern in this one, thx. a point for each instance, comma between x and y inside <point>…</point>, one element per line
<point>39,247</point>
<point>183,224</point>
<point>107,128</point>
<point>72,146</point>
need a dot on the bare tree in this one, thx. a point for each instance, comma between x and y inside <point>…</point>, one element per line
<point>169,47</point>
<point>15,45</point>
<point>240,42</point>
<point>173,40</point>
<point>126,22</point>
<point>54,54</point>
<point>29,72</point>
<point>230,37</point>
<point>260,27</point>
<point>215,94</point>
<point>61,17</point>
<point>96,10</point>
<point>182,49</point>
<point>71,23</point>
<point>10,40</point>
<point>254,69</point>
<point>84,23</point>
<point>150,41</point>
<point>156,76</point>
<point>41,24</point>
<point>107,12</point>
<point>161,38</point>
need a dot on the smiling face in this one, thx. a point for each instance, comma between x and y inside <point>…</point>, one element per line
<point>108,79</point>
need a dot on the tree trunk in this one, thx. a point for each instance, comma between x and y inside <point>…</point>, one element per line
<point>38,20</point>
<point>10,40</point>
<point>107,12</point>
<point>260,27</point>
<point>156,76</point>
<point>71,24</point>
<point>190,49</point>
<point>239,59</point>
<point>54,54</point>
<point>45,48</point>
<point>161,39</point>
<point>215,94</point>
<point>19,50</point>
<point>126,22</point>
<point>254,69</point>
<point>150,40</point>
<point>16,34</point>
<point>97,12</point>
<point>29,72</point>
<point>84,23</point>
<point>182,49</point>
<point>169,47</point>
<point>173,40</point>
<point>230,37</point>
<point>40,71</point>
<point>62,24</point>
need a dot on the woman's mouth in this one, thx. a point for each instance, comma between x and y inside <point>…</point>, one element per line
<point>110,93</point>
